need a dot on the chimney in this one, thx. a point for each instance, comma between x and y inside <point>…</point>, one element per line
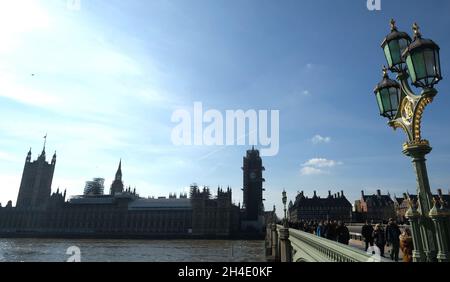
<point>379,193</point>
<point>440,192</point>
<point>315,194</point>
<point>339,194</point>
<point>342,193</point>
<point>329,194</point>
<point>362,193</point>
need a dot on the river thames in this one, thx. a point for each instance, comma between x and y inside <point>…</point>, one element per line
<point>55,250</point>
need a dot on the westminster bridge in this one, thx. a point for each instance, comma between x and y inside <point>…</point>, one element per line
<point>291,245</point>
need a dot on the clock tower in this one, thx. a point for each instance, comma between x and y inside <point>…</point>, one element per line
<point>253,186</point>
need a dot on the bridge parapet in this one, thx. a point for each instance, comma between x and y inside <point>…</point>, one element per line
<point>297,246</point>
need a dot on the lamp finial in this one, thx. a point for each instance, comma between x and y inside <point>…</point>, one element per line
<point>385,72</point>
<point>393,26</point>
<point>416,30</point>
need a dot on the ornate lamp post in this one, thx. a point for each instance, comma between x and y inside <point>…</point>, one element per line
<point>285,244</point>
<point>285,223</point>
<point>418,60</point>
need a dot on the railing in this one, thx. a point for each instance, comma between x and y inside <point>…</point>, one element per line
<point>290,245</point>
<point>356,236</point>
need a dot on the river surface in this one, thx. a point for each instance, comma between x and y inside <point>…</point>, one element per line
<point>60,250</point>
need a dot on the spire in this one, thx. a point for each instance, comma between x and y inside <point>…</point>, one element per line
<point>54,158</point>
<point>45,143</point>
<point>119,171</point>
<point>29,156</point>
<point>42,156</point>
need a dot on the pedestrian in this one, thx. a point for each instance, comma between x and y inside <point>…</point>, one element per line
<point>379,238</point>
<point>343,235</point>
<point>393,238</point>
<point>331,233</point>
<point>320,231</point>
<point>325,230</point>
<point>367,233</point>
<point>406,245</point>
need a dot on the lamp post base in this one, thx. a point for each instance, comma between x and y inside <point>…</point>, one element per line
<point>417,150</point>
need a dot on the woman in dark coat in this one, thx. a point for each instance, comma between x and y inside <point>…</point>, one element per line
<point>379,238</point>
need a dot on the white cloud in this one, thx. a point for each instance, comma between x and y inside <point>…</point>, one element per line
<point>317,139</point>
<point>316,166</point>
<point>11,89</point>
<point>321,162</point>
<point>18,17</point>
<point>306,93</point>
<point>311,171</point>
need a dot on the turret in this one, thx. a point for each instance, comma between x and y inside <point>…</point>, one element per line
<point>54,159</point>
<point>28,159</point>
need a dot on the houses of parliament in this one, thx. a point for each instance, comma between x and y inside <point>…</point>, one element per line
<point>124,214</point>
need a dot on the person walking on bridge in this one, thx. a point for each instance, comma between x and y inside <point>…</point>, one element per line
<point>367,233</point>
<point>343,235</point>
<point>393,238</point>
<point>379,238</point>
<point>331,232</point>
<point>406,245</point>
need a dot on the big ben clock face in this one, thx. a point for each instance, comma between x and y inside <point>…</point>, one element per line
<point>253,176</point>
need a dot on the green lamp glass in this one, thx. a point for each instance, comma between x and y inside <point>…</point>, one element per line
<point>388,94</point>
<point>394,44</point>
<point>422,59</point>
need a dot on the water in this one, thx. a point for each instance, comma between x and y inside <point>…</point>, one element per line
<point>55,250</point>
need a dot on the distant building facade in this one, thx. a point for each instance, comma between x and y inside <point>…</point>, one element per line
<point>121,213</point>
<point>375,207</point>
<point>333,207</point>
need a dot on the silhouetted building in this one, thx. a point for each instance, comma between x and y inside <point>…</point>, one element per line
<point>213,217</point>
<point>333,207</point>
<point>121,214</point>
<point>375,207</point>
<point>253,206</point>
<point>35,187</point>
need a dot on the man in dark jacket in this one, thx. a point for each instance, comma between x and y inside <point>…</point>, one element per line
<point>331,232</point>
<point>343,235</point>
<point>393,238</point>
<point>367,233</point>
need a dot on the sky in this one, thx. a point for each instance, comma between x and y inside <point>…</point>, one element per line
<point>104,80</point>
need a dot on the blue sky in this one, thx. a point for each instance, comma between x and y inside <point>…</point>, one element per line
<point>108,77</point>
